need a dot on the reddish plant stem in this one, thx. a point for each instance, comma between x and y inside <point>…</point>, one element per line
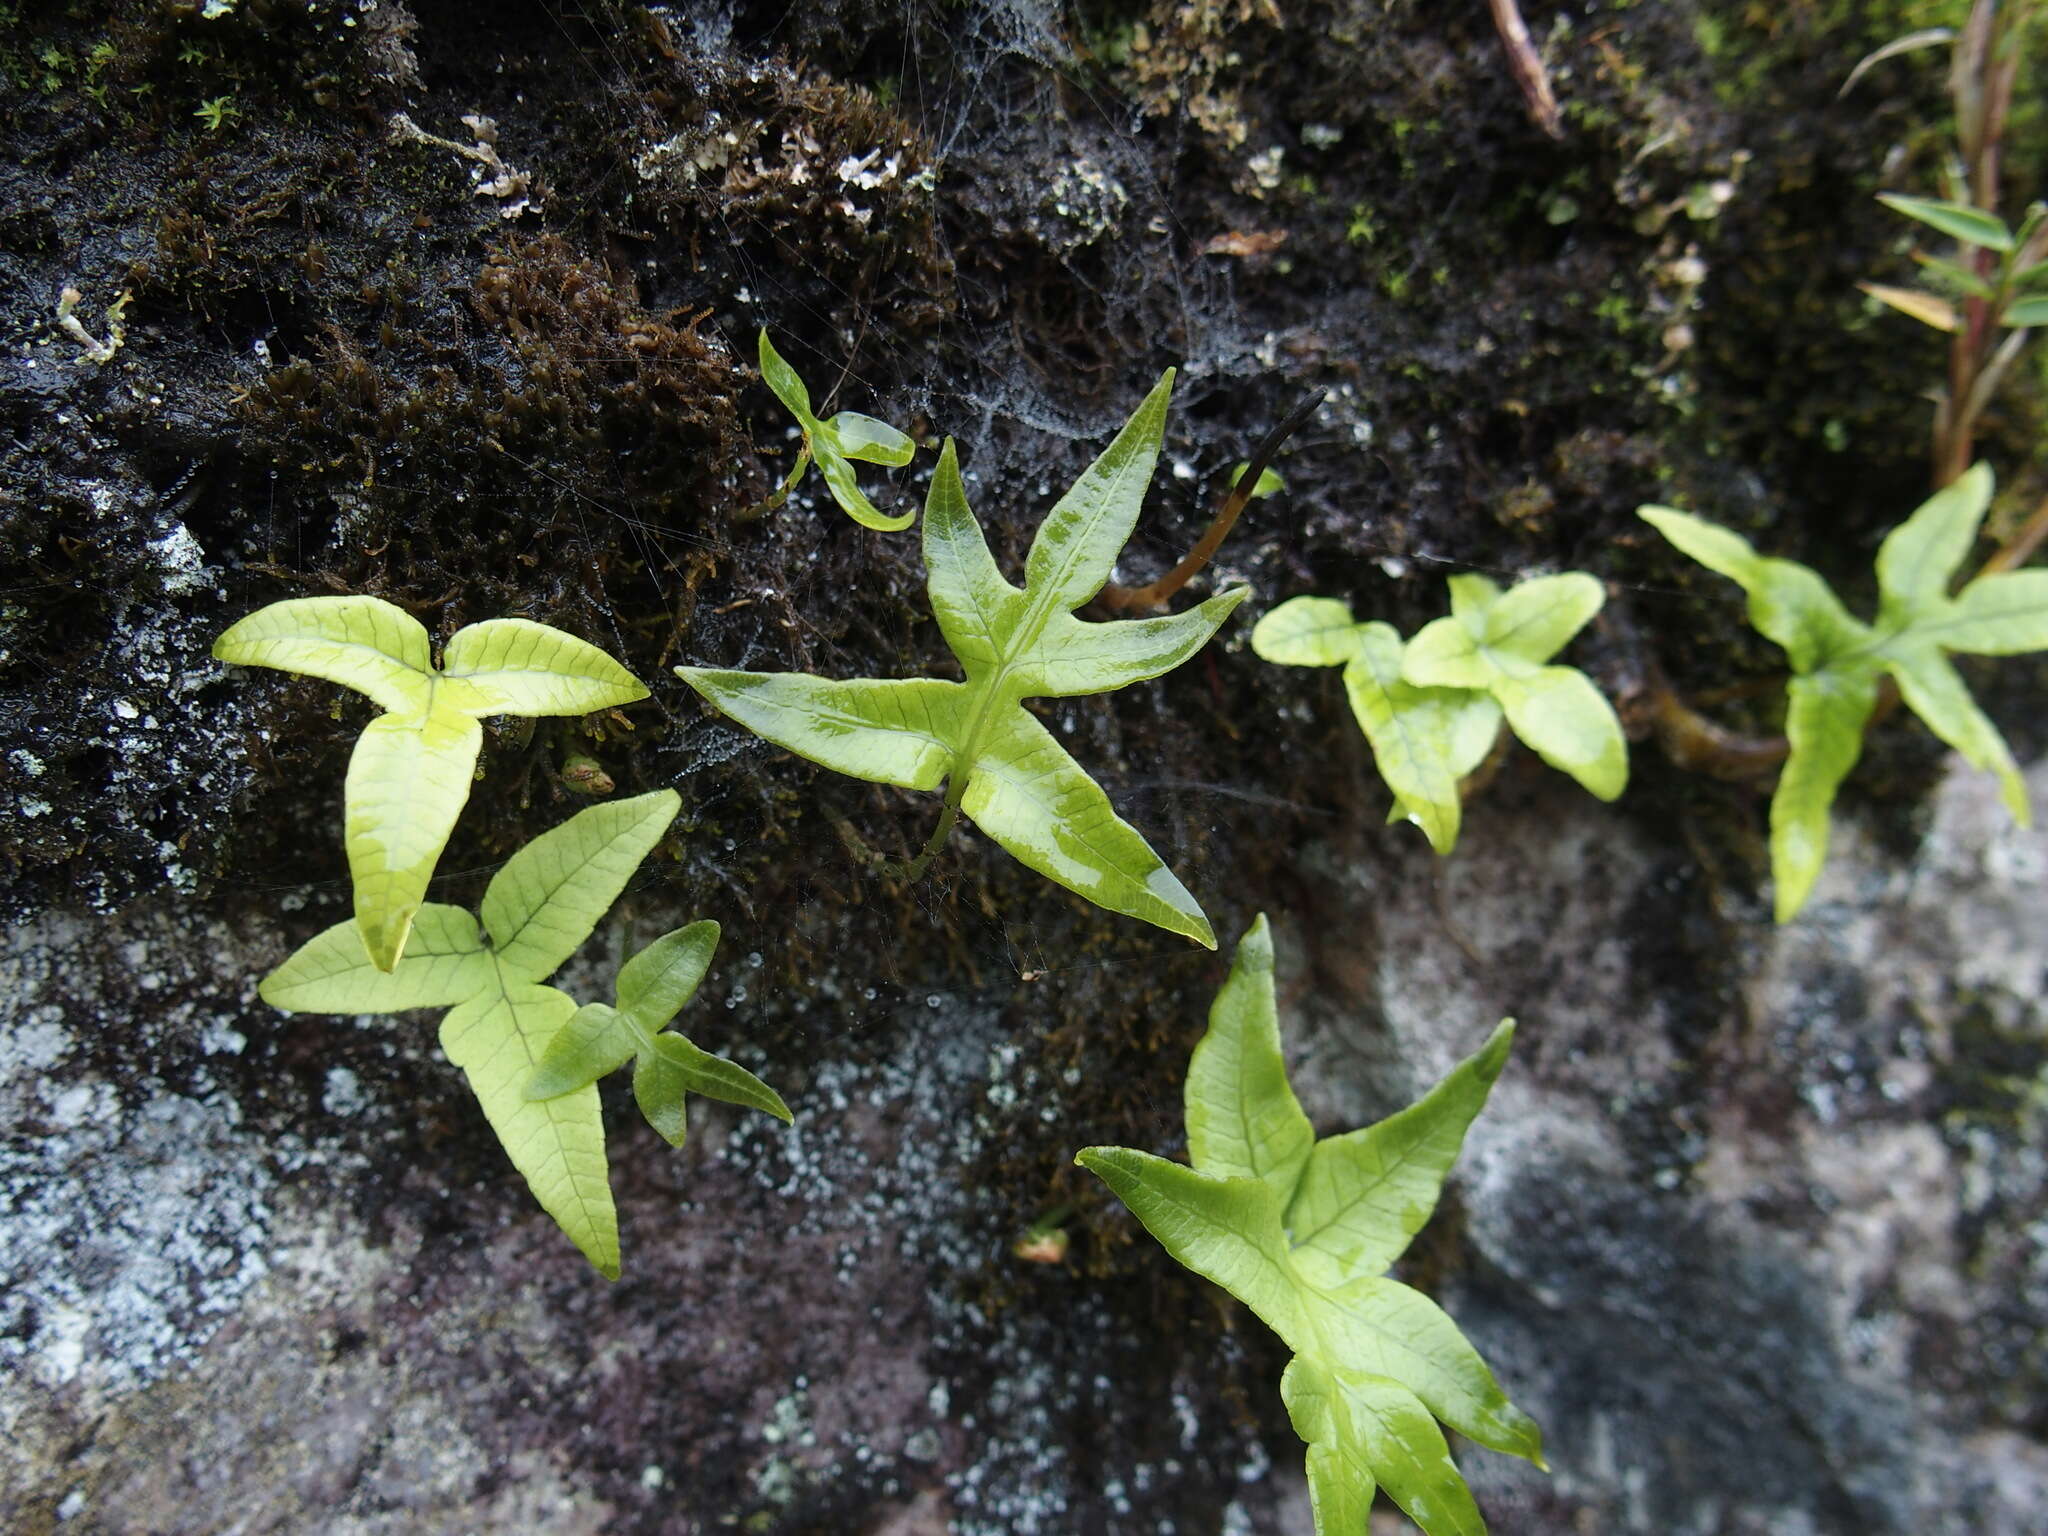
<point>1157,594</point>
<point>1984,67</point>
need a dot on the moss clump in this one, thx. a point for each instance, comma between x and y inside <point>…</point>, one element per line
<point>773,176</point>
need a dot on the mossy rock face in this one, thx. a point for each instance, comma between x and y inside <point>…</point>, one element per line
<point>457,304</point>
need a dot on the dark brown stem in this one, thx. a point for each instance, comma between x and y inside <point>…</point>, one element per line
<point>1158,593</point>
<point>1694,742</point>
<point>1700,745</point>
<point>1527,67</point>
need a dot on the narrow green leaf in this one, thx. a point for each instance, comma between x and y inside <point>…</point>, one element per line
<point>845,488</point>
<point>1535,619</point>
<point>1499,642</point>
<point>1972,226</point>
<point>978,611</point>
<point>1824,717</point>
<point>1242,1117</point>
<point>1719,549</point>
<point>1385,1328</point>
<point>1225,1230</point>
<point>1307,632</point>
<point>1958,277</point>
<point>1409,1456</point>
<point>1492,635</point>
<point>408,779</point>
<point>531,1056</point>
<point>2026,312</point>
<point>656,983</point>
<point>595,1043</point>
<point>833,445</point>
<point>1077,544</point>
<point>663,1096</point>
<point>1340,1480</point>
<point>1424,740</point>
<point>1445,653</point>
<point>1920,557</point>
<point>411,771</point>
<point>516,667</point>
<point>871,441</point>
<point>1788,603</point>
<point>892,732</point>
<point>497,1038</point>
<point>714,1077</point>
<point>1366,1193</point>
<point>444,962</point>
<point>653,986</point>
<point>783,381</point>
<point>1373,1359</point>
<point>1000,766</point>
<point>1075,656</point>
<point>1916,303</point>
<point>1934,692</point>
<point>2003,614</point>
<point>548,896</point>
<point>1568,723</point>
<point>1836,660</point>
<point>362,643</point>
<point>1037,802</point>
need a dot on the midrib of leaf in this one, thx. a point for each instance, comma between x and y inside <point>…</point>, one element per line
<point>499,995</point>
<point>1039,607</point>
<point>371,650</point>
<point>1038,612</point>
<point>426,719</point>
<point>1029,788</point>
<point>1387,1172</point>
<point>1928,627</point>
<point>989,689</point>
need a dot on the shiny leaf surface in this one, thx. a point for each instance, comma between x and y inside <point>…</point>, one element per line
<point>505,1029</point>
<point>1299,1230</point>
<point>1837,661</point>
<point>412,768</point>
<point>834,444</point>
<point>653,987</point>
<point>1002,768</point>
<point>1499,643</point>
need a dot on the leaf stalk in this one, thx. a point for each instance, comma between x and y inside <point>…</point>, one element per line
<point>1158,593</point>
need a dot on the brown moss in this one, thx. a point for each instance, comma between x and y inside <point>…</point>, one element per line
<point>812,187</point>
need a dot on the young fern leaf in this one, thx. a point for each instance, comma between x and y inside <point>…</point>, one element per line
<point>1000,766</point>
<point>501,1019</point>
<point>1423,740</point>
<point>411,771</point>
<point>1300,1231</point>
<point>1837,660</point>
<point>1430,709</point>
<point>835,444</point>
<point>653,987</point>
<point>1499,642</point>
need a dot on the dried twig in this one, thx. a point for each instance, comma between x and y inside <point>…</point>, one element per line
<point>1527,67</point>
